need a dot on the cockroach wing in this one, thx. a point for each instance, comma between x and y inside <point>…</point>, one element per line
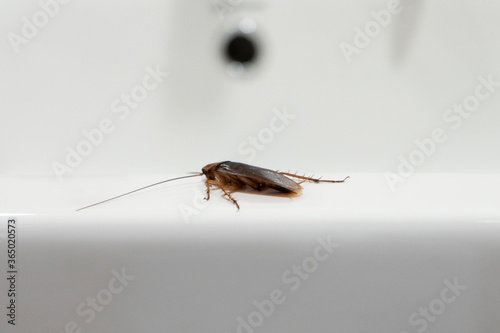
<point>268,178</point>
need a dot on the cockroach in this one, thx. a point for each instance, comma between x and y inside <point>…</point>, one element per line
<point>230,177</point>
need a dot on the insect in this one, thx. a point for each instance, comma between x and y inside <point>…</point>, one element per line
<point>230,177</point>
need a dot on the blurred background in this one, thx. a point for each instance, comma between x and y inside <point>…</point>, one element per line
<point>141,88</point>
<point>111,88</point>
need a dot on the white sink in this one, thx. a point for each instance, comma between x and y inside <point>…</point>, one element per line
<point>101,97</point>
<point>342,257</point>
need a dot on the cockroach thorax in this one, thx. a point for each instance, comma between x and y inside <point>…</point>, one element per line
<point>210,170</point>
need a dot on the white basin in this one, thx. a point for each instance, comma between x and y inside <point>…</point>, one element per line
<point>101,97</point>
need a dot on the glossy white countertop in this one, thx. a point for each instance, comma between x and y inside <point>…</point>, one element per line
<point>352,257</point>
<point>363,198</point>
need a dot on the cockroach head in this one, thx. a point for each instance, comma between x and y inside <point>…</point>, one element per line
<point>209,170</point>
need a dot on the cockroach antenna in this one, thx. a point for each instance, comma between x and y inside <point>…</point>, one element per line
<point>139,189</point>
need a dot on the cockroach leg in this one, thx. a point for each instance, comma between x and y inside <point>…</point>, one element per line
<point>211,182</point>
<point>230,198</point>
<point>224,188</point>
<point>316,180</point>
<point>208,190</point>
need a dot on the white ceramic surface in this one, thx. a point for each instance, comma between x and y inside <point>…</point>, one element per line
<point>410,243</point>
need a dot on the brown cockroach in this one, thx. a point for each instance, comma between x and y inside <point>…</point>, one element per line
<point>230,177</point>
